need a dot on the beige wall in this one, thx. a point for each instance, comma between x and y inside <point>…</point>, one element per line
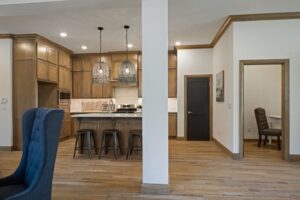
<point>262,89</point>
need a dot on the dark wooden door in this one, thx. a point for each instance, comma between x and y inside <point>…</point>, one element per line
<point>198,108</point>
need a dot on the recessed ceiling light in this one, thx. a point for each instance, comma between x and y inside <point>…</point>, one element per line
<point>62,34</point>
<point>130,45</point>
<point>177,43</point>
<point>84,47</point>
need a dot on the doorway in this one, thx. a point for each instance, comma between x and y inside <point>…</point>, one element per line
<point>198,107</point>
<point>284,65</point>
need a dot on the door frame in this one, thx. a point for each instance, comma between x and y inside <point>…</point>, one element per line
<point>210,77</point>
<point>285,102</point>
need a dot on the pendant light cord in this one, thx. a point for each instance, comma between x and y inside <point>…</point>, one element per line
<point>126,28</point>
<point>100,43</point>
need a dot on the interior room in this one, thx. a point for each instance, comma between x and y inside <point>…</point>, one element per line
<point>262,89</point>
<point>149,99</point>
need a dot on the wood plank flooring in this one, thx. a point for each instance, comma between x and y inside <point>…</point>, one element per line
<point>197,169</point>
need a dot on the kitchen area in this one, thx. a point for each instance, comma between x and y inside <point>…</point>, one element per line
<point>46,74</point>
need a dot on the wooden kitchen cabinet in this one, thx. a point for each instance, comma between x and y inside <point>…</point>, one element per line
<point>65,79</point>
<point>172,124</point>
<point>64,59</point>
<point>47,53</point>
<point>83,86</point>
<point>46,71</point>
<point>66,126</point>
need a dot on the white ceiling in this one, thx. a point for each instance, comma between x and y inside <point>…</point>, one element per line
<point>190,21</point>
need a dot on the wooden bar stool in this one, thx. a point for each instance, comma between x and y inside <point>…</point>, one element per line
<point>135,133</point>
<point>89,135</point>
<point>107,135</point>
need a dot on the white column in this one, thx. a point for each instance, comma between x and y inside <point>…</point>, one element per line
<point>6,60</point>
<point>155,92</point>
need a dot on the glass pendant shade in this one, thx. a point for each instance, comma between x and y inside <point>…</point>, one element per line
<point>100,73</point>
<point>127,71</point>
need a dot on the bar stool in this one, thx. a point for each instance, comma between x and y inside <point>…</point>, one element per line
<point>89,135</point>
<point>134,133</point>
<point>108,134</point>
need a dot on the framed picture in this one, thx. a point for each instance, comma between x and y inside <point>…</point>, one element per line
<point>220,87</point>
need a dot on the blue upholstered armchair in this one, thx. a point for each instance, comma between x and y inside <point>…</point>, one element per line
<point>33,178</point>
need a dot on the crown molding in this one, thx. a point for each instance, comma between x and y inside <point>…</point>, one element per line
<point>240,18</point>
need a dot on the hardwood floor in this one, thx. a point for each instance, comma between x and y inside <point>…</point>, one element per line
<point>197,169</point>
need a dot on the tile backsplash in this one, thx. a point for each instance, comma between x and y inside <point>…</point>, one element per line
<point>122,96</point>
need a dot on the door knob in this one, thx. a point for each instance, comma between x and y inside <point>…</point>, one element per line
<point>189,112</point>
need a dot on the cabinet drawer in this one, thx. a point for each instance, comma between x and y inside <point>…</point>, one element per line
<point>42,70</point>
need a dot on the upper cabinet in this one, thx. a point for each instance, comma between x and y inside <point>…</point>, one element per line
<point>83,86</point>
<point>65,73</point>
<point>47,59</point>
<point>117,59</point>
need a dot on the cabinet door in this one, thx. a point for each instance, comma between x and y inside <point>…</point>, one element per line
<point>42,51</point>
<point>97,90</point>
<point>61,72</point>
<point>42,70</point>
<point>172,60</point>
<point>172,83</point>
<point>107,90</point>
<point>77,87</point>
<point>52,73</point>
<point>172,124</point>
<point>52,55</point>
<point>86,84</point>
<point>140,81</point>
<point>67,79</point>
<point>64,59</point>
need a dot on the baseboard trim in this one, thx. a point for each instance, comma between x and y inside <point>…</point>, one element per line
<point>294,158</point>
<point>180,138</point>
<point>234,156</point>
<point>155,189</point>
<point>6,148</point>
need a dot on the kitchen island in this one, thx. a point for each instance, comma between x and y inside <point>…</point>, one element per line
<point>99,121</point>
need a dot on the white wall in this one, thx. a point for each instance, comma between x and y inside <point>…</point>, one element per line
<point>262,88</point>
<point>189,62</point>
<point>6,131</point>
<point>223,117</point>
<point>155,91</point>
<point>269,40</point>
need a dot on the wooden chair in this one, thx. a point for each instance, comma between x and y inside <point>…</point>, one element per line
<point>263,127</point>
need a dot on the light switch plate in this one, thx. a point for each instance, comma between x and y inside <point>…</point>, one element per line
<point>3,100</point>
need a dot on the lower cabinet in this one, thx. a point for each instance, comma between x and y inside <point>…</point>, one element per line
<point>172,124</point>
<point>66,126</point>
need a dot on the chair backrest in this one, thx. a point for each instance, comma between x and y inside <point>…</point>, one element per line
<point>261,119</point>
<point>41,130</point>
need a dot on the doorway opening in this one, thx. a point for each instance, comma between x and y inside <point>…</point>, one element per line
<point>264,104</point>
<point>198,107</point>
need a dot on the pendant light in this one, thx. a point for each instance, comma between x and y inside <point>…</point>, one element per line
<point>127,72</point>
<point>100,69</point>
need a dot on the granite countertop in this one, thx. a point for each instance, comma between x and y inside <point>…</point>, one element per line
<point>107,115</point>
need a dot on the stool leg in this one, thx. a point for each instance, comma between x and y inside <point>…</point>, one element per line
<point>115,145</point>
<point>141,141</point>
<point>128,147</point>
<point>106,144</point>
<point>132,146</point>
<point>265,142</point>
<point>278,143</point>
<point>94,142</point>
<point>75,148</point>
<point>89,144</point>
<point>81,143</point>
<point>101,146</point>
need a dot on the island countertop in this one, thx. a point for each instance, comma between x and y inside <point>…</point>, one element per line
<point>107,115</point>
